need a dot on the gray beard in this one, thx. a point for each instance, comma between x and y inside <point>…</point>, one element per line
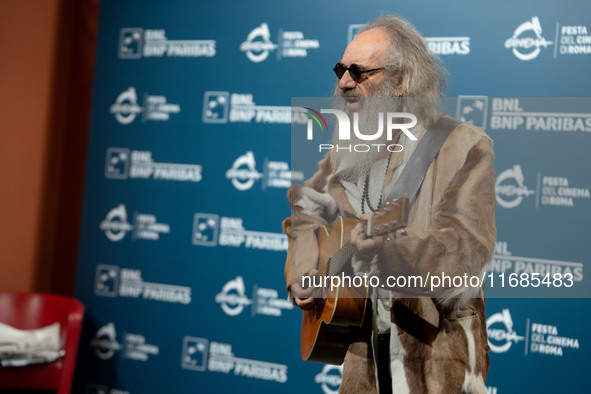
<point>351,166</point>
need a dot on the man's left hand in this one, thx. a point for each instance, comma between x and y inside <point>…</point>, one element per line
<point>364,245</point>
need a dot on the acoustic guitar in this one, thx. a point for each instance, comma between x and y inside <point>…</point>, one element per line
<point>329,327</point>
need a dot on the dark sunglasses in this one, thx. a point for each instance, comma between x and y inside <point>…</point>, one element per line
<point>354,70</point>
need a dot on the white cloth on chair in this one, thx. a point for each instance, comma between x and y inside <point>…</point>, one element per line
<point>23,347</point>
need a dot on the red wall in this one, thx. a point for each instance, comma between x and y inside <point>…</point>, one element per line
<point>46,65</point>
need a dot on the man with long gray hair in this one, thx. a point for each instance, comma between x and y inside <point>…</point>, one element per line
<point>413,339</point>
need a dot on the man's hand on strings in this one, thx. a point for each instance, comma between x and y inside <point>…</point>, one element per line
<point>366,246</point>
<point>305,298</point>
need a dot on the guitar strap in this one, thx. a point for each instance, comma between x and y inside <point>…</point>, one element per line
<point>412,176</point>
<point>409,182</point>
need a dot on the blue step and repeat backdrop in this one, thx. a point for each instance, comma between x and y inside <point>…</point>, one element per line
<point>182,256</point>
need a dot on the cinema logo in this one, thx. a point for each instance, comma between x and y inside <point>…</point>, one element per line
<point>113,281</point>
<point>330,378</point>
<point>510,188</point>
<point>145,226</point>
<point>213,230</point>
<point>233,299</point>
<point>243,173</point>
<point>501,335</point>
<point>199,354</point>
<point>276,174</point>
<point>258,44</point>
<point>135,43</point>
<point>124,163</point>
<point>344,130</point>
<point>154,107</point>
<point>504,261</point>
<point>221,107</point>
<point>134,346</point>
<point>527,40</point>
<point>105,342</point>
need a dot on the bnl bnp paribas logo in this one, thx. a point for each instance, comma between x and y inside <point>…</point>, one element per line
<point>472,109</point>
<point>137,42</point>
<point>223,107</point>
<point>258,45</point>
<point>527,41</point>
<point>201,354</point>
<point>211,230</point>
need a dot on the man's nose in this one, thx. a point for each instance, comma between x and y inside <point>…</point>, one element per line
<point>346,82</point>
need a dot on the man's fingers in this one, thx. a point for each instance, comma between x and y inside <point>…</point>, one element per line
<point>305,303</point>
<point>300,292</point>
<point>366,215</point>
<point>357,233</point>
<point>369,244</point>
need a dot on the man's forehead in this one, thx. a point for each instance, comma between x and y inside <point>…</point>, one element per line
<point>367,48</point>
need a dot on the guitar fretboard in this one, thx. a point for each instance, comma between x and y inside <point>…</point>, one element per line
<point>341,257</point>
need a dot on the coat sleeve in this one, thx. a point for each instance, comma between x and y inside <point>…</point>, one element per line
<point>462,234</point>
<point>311,207</point>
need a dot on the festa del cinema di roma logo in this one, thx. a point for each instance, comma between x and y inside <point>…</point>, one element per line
<point>500,332</point>
<point>258,44</point>
<point>510,187</point>
<point>344,129</point>
<point>523,45</point>
<point>292,44</point>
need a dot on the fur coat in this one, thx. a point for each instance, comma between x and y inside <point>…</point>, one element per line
<point>438,343</point>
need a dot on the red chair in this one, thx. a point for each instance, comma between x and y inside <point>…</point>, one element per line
<point>27,311</point>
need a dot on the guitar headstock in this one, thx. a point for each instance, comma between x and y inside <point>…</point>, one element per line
<point>391,217</point>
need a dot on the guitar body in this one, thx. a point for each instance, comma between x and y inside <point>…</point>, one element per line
<point>329,327</point>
